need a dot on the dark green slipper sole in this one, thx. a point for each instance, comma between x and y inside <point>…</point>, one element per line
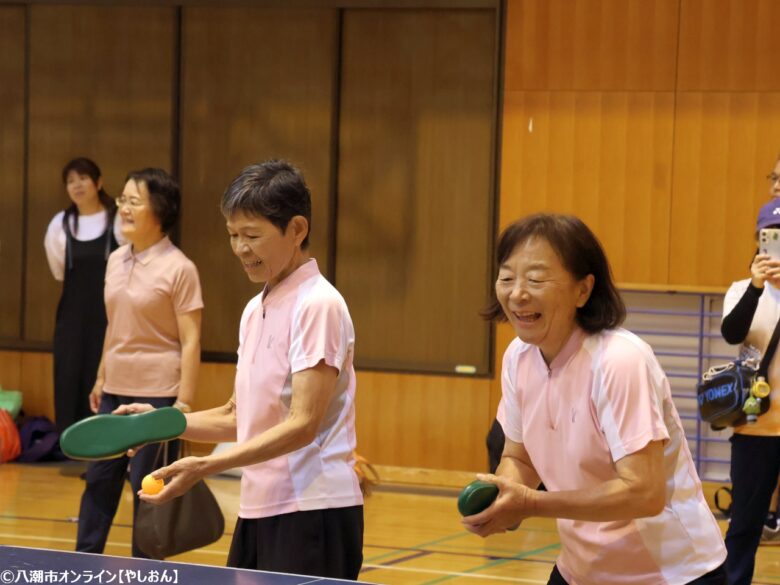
<point>476,496</point>
<point>106,436</point>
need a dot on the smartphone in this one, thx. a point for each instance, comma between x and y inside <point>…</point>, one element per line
<point>769,242</point>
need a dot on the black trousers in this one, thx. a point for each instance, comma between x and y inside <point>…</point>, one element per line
<point>323,543</point>
<point>106,479</point>
<point>755,463</point>
<point>714,577</point>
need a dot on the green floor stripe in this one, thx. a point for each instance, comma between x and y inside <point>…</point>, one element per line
<point>496,563</point>
<point>423,545</point>
<point>476,550</point>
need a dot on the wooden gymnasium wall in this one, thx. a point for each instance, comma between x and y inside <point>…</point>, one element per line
<point>654,120</point>
<point>203,89</point>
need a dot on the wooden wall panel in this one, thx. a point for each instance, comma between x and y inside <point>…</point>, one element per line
<point>415,200</point>
<point>423,421</point>
<point>258,84</point>
<point>725,145</point>
<point>12,41</point>
<point>729,45</point>
<point>591,44</point>
<point>605,157</point>
<point>10,369</point>
<point>408,420</point>
<point>37,384</point>
<point>100,86</point>
<point>215,385</point>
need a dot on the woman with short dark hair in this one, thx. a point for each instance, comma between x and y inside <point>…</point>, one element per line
<point>292,413</point>
<point>587,409</point>
<point>151,352</point>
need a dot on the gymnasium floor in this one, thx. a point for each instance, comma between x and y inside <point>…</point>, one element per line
<point>413,535</point>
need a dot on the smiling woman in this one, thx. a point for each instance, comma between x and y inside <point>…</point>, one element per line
<point>78,242</point>
<point>151,351</point>
<point>292,412</point>
<point>587,410</point>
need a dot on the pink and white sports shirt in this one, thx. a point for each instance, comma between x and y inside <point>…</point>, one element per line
<point>604,397</point>
<point>302,321</point>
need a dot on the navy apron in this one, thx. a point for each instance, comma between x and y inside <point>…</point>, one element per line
<point>80,325</point>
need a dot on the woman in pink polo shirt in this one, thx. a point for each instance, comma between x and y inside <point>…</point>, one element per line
<point>151,351</point>
<point>293,408</point>
<point>587,410</point>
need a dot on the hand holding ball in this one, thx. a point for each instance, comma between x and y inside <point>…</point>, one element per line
<point>151,486</point>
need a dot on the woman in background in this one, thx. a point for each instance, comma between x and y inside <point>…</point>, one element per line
<point>78,242</point>
<point>151,352</point>
<point>751,311</point>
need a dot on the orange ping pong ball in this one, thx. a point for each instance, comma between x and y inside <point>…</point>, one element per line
<point>151,486</point>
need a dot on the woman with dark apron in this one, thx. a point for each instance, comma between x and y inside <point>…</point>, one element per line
<point>78,242</point>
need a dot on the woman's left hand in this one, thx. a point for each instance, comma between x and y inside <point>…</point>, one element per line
<point>179,477</point>
<point>514,503</point>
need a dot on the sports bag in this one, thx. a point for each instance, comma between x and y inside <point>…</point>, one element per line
<point>736,393</point>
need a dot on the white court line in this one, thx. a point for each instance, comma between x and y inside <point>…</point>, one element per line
<point>450,573</point>
<point>224,553</point>
<point>73,541</point>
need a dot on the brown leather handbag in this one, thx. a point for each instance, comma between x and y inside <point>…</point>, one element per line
<point>191,521</point>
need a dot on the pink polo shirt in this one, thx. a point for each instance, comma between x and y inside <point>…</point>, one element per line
<point>302,321</point>
<point>144,293</point>
<point>603,397</point>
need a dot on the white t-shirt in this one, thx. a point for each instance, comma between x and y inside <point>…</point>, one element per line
<point>91,227</point>
<point>761,328</point>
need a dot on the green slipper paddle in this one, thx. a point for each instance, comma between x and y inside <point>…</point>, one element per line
<point>476,496</point>
<point>107,436</point>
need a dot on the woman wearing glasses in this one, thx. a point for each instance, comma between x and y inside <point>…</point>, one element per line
<point>751,310</point>
<point>151,352</point>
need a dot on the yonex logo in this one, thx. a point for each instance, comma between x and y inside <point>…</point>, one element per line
<point>717,393</point>
<point>776,211</point>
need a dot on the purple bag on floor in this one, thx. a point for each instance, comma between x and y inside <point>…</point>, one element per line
<point>40,440</point>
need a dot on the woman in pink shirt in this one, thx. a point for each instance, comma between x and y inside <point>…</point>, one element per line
<point>292,413</point>
<point>151,351</point>
<point>587,410</point>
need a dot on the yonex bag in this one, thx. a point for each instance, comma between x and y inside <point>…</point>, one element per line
<point>736,393</point>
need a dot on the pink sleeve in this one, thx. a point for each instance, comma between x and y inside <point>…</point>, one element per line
<point>509,414</point>
<point>629,401</point>
<point>186,293</point>
<point>321,331</point>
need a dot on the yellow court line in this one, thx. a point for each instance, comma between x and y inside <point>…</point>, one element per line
<point>453,574</point>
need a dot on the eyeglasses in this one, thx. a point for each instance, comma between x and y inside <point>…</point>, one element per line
<point>134,202</point>
<point>773,178</point>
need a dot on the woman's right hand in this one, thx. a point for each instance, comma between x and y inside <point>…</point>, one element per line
<point>95,396</point>
<point>134,408</point>
<point>764,268</point>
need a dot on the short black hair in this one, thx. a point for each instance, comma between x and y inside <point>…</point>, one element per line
<point>275,190</point>
<point>164,194</point>
<point>581,254</point>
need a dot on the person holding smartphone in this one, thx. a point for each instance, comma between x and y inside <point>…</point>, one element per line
<point>751,311</point>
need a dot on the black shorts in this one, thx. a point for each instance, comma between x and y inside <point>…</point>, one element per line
<point>714,577</point>
<point>323,543</point>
